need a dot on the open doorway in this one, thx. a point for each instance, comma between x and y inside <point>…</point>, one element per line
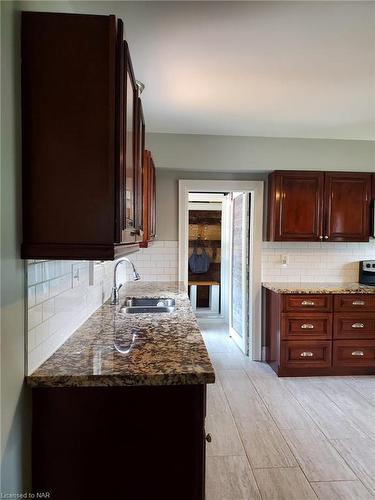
<point>220,238</point>
<point>205,249</point>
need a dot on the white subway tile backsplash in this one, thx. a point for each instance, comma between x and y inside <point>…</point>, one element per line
<point>41,292</point>
<point>48,308</point>
<point>31,296</point>
<point>35,316</point>
<point>315,262</point>
<point>55,309</point>
<point>34,273</point>
<point>40,333</point>
<point>49,269</point>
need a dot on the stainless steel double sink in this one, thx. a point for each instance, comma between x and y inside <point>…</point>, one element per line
<point>144,305</point>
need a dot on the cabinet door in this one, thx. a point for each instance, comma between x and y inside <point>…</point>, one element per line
<point>119,142</point>
<point>139,194</point>
<point>347,206</point>
<point>128,190</point>
<point>152,199</point>
<point>295,206</point>
<point>149,200</point>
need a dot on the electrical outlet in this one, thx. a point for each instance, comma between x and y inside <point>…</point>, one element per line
<point>284,260</point>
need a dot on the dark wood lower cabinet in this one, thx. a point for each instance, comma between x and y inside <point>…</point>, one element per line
<point>315,335</point>
<point>126,443</point>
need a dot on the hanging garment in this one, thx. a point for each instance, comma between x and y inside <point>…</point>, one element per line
<point>199,263</point>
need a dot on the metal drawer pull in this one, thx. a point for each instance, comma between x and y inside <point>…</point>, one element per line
<point>307,326</point>
<point>358,353</point>
<point>358,303</point>
<point>307,303</point>
<point>306,354</point>
<point>358,325</point>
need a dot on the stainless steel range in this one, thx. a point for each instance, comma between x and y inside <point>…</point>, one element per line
<point>367,272</point>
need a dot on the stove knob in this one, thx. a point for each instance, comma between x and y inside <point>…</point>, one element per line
<point>368,265</point>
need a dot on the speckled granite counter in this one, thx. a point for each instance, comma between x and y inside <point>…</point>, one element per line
<point>113,348</point>
<point>316,288</point>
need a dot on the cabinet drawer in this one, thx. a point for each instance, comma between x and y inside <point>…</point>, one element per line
<point>300,326</point>
<point>318,303</point>
<point>359,302</point>
<point>301,354</point>
<point>354,353</point>
<point>354,326</point>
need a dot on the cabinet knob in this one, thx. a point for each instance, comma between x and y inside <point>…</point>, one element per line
<point>358,303</point>
<point>358,325</point>
<point>208,438</point>
<point>320,237</point>
<point>307,303</point>
<point>326,237</point>
<point>307,326</point>
<point>306,354</point>
<point>358,353</point>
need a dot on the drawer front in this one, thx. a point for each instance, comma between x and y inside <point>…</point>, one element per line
<point>354,326</point>
<point>301,354</point>
<point>354,353</point>
<point>300,326</point>
<point>304,303</point>
<point>351,303</point>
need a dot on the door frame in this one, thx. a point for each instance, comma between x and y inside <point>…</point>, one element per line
<point>256,189</point>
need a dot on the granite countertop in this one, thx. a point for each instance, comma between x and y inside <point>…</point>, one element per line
<point>316,288</point>
<point>113,348</point>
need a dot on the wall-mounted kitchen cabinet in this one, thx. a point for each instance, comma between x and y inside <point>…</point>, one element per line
<point>149,199</point>
<point>318,206</point>
<point>81,166</point>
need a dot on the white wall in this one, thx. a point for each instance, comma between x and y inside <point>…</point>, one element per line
<point>217,153</point>
<point>167,195</point>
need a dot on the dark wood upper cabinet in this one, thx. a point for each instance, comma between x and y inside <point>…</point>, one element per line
<point>132,220</point>
<point>318,206</point>
<point>140,168</point>
<point>79,138</point>
<point>295,206</point>
<point>149,199</point>
<point>347,206</point>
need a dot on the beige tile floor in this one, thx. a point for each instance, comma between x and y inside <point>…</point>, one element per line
<point>285,438</point>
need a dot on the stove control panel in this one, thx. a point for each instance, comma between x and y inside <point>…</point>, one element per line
<point>368,265</point>
<point>367,272</point>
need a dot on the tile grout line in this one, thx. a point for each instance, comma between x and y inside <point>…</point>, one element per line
<point>314,421</point>
<point>278,428</point>
<point>242,443</point>
<point>322,431</point>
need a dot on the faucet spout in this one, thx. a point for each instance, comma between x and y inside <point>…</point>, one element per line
<point>116,288</point>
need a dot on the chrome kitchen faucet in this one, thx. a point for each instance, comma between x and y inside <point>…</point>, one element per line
<point>115,288</point>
